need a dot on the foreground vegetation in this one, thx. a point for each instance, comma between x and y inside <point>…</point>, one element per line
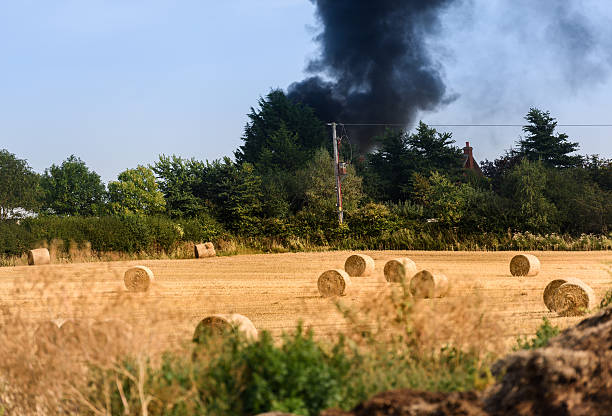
<point>389,343</point>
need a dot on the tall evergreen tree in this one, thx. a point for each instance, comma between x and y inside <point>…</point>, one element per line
<point>388,174</point>
<point>280,130</point>
<point>434,151</point>
<point>541,143</point>
<point>235,193</point>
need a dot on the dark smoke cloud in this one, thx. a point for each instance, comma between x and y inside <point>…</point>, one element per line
<point>374,65</point>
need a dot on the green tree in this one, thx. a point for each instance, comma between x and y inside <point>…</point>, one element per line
<point>18,186</point>
<point>179,180</point>
<point>442,199</point>
<point>136,192</point>
<point>541,143</point>
<point>318,188</point>
<point>72,189</point>
<point>582,206</point>
<point>280,134</point>
<point>235,192</point>
<point>389,171</point>
<point>600,171</point>
<point>527,184</point>
<point>389,167</point>
<point>434,151</point>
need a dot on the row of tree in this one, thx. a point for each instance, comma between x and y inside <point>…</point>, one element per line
<point>284,170</point>
<point>73,189</point>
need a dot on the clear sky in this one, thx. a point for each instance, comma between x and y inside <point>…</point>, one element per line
<point>118,82</point>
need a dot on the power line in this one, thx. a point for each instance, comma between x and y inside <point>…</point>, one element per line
<point>465,125</point>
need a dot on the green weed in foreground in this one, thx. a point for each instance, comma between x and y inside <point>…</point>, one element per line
<point>545,332</point>
<point>606,300</point>
<point>231,376</point>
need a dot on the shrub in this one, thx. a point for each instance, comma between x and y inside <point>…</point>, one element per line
<point>545,332</point>
<point>299,376</point>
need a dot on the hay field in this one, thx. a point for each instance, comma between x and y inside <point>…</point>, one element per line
<point>277,290</point>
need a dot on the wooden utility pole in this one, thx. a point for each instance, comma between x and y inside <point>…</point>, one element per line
<point>337,173</point>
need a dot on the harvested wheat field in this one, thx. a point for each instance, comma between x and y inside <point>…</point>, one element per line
<point>275,291</point>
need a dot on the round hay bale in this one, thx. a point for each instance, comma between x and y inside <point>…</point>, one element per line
<point>39,256</point>
<point>359,265</point>
<point>138,279</point>
<point>573,298</point>
<point>220,324</point>
<point>399,270</point>
<point>524,265</point>
<point>551,288</point>
<point>333,283</point>
<point>426,284</point>
<point>211,249</point>
<point>204,250</point>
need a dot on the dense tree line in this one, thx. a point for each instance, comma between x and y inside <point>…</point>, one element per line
<point>281,183</point>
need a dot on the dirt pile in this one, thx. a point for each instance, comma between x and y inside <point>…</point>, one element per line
<point>406,402</point>
<point>572,376</point>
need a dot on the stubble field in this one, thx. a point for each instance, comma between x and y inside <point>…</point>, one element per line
<point>276,291</point>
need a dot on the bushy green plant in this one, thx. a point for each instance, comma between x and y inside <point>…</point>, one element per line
<point>606,300</point>
<point>545,332</point>
<point>299,376</point>
<point>371,220</point>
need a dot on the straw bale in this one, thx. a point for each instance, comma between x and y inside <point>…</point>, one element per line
<point>138,279</point>
<point>551,288</point>
<point>573,298</point>
<point>333,283</point>
<point>426,284</point>
<point>359,265</point>
<point>204,250</point>
<point>39,256</point>
<point>524,265</point>
<point>220,324</point>
<point>399,270</point>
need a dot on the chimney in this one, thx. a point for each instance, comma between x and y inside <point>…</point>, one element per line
<point>470,163</point>
<point>467,150</point>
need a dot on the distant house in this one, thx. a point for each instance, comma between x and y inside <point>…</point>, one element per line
<point>470,163</point>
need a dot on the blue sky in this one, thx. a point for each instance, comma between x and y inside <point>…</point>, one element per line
<point>119,82</point>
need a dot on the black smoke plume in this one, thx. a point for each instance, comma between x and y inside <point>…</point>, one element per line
<point>374,66</point>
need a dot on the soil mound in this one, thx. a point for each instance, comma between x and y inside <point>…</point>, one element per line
<point>572,376</point>
<point>406,402</point>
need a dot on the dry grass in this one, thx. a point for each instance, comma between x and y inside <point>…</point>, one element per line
<point>485,310</point>
<point>44,367</point>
